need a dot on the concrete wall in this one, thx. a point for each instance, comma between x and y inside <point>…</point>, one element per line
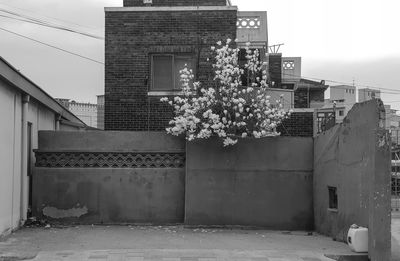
<point>99,192</point>
<point>109,141</point>
<point>11,151</point>
<point>354,157</point>
<point>258,182</point>
<point>103,195</point>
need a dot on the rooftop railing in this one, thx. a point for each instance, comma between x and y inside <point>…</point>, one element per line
<point>252,27</point>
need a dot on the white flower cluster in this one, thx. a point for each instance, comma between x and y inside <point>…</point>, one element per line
<point>228,110</point>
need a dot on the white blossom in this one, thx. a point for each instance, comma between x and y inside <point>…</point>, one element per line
<point>226,110</point>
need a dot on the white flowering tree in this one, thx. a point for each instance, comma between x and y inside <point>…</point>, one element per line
<point>228,110</point>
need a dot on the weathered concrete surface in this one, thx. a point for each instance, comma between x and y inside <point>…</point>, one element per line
<point>109,195</point>
<point>174,243</point>
<point>109,141</point>
<point>258,182</point>
<point>354,157</point>
<point>395,236</point>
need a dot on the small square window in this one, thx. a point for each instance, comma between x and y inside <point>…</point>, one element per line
<point>165,70</point>
<point>333,198</point>
<point>341,113</point>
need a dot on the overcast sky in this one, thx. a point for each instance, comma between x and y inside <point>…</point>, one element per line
<point>338,40</point>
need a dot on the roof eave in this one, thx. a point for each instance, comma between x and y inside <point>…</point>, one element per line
<point>13,76</point>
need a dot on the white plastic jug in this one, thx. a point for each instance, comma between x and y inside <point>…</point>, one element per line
<point>357,239</point>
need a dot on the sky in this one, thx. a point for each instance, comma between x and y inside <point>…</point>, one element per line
<point>338,40</point>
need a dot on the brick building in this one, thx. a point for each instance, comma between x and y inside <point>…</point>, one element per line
<point>147,44</point>
<point>149,41</point>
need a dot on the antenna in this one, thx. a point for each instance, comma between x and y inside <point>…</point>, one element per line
<point>275,48</point>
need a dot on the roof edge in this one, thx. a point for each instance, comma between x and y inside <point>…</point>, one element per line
<point>13,76</point>
<point>169,8</point>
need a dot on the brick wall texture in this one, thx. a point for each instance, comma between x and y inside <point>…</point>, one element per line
<point>132,36</point>
<point>176,3</point>
<point>299,124</point>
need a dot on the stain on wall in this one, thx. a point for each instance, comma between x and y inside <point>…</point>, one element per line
<point>56,213</point>
<point>100,184</point>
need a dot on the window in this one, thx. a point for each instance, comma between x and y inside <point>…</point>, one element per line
<point>165,70</point>
<point>333,198</point>
<point>247,79</point>
<point>341,113</point>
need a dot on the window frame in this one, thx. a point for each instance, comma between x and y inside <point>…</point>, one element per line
<point>333,200</point>
<point>151,88</point>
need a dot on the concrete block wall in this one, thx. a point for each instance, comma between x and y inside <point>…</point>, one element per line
<point>132,36</point>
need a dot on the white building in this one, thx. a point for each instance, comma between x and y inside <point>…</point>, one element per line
<point>87,112</point>
<point>392,119</point>
<point>368,94</point>
<point>100,112</point>
<point>342,97</point>
<point>25,109</point>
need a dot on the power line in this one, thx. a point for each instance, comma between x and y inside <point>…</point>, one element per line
<point>52,46</point>
<point>44,23</point>
<point>56,19</point>
<point>342,83</point>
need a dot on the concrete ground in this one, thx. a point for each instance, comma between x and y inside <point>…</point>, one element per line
<point>172,243</point>
<point>396,235</point>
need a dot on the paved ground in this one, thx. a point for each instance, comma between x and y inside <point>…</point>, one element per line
<point>173,243</point>
<point>396,236</point>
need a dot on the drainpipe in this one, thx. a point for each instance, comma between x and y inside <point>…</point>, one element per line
<point>58,119</point>
<point>24,160</point>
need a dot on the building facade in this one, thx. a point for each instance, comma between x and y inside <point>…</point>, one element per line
<point>25,109</point>
<point>147,45</point>
<point>342,98</point>
<point>367,94</point>
<point>87,112</point>
<point>285,73</point>
<point>148,42</point>
<point>100,112</point>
